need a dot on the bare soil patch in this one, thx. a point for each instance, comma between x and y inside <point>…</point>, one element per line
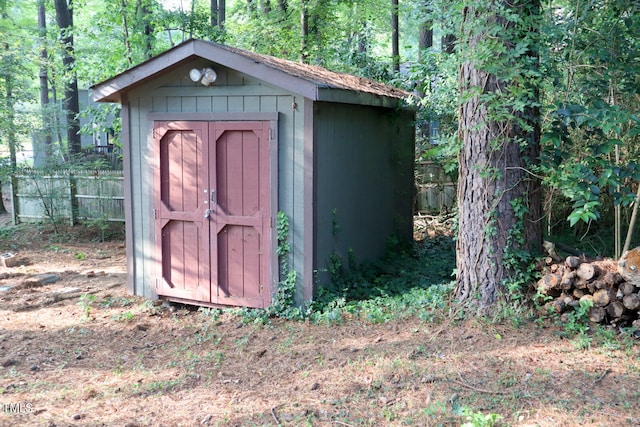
<point>81,351</point>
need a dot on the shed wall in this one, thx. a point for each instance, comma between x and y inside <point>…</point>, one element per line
<point>364,180</point>
<point>233,92</point>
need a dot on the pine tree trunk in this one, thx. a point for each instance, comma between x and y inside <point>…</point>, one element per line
<point>494,173</point>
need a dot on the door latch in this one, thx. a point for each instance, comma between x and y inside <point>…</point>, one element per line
<point>207,213</point>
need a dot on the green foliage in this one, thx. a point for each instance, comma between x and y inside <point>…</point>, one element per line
<point>576,324</point>
<point>283,303</point>
<point>591,130</point>
<point>407,282</point>
<point>478,419</point>
<point>518,261</point>
<point>590,136</point>
<point>86,302</point>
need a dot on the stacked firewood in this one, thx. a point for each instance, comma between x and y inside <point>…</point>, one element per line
<point>615,301</point>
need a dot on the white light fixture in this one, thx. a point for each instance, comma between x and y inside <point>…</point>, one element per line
<point>206,76</point>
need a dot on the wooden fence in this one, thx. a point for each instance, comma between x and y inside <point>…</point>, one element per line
<point>435,190</point>
<point>72,196</point>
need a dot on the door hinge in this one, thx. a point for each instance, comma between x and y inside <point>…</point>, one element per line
<point>155,214</point>
<point>272,222</point>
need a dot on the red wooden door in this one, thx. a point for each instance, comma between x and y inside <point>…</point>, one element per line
<point>240,193</point>
<point>212,212</point>
<point>180,229</point>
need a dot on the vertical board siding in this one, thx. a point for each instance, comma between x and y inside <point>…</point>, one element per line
<point>363,195</point>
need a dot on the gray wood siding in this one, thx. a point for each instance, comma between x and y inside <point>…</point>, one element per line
<point>364,180</point>
<point>174,92</point>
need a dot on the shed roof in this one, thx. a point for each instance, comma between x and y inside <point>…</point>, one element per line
<point>313,82</point>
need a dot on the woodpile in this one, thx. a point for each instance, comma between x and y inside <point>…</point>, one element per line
<point>612,299</point>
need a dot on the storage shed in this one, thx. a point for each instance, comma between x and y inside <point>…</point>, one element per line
<point>218,140</point>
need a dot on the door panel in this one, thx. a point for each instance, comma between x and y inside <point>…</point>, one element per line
<point>242,214</point>
<point>180,227</point>
<point>224,257</point>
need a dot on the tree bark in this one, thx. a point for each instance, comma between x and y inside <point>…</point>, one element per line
<point>395,36</point>
<point>9,104</point>
<point>499,200</point>
<point>425,41</point>
<point>304,31</point>
<point>64,18</point>
<point>44,79</point>
<point>125,31</point>
<point>214,13</point>
<point>222,12</point>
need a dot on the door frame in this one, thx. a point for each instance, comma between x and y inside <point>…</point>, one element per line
<point>273,119</point>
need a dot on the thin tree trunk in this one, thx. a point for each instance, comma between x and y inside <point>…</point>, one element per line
<point>44,79</point>
<point>222,12</point>
<point>395,36</point>
<point>64,17</point>
<point>214,13</point>
<point>125,32</point>
<point>144,14</point>
<point>304,32</point>
<point>3,210</point>
<point>9,104</point>
<point>425,41</point>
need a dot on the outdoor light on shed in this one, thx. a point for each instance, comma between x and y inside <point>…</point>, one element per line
<point>206,76</point>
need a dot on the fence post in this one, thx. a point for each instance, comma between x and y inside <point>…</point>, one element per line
<point>73,192</point>
<point>14,198</point>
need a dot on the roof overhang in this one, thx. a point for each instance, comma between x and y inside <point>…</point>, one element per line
<point>113,89</point>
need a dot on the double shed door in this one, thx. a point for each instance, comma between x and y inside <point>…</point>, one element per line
<point>213,212</point>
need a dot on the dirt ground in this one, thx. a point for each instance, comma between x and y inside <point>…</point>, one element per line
<point>77,350</point>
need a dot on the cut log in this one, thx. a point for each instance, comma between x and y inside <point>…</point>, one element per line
<point>631,302</point>
<point>615,310</point>
<point>549,284</point>
<point>597,314</point>
<point>627,288</point>
<point>586,297</point>
<point>557,305</point>
<point>572,262</point>
<point>579,293</point>
<point>613,278</point>
<point>602,297</point>
<point>587,271</point>
<point>568,280</point>
<point>569,300</point>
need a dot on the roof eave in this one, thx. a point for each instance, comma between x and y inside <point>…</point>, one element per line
<point>344,96</point>
<point>111,90</point>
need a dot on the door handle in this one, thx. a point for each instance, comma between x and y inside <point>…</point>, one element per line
<point>207,213</point>
<point>214,196</point>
